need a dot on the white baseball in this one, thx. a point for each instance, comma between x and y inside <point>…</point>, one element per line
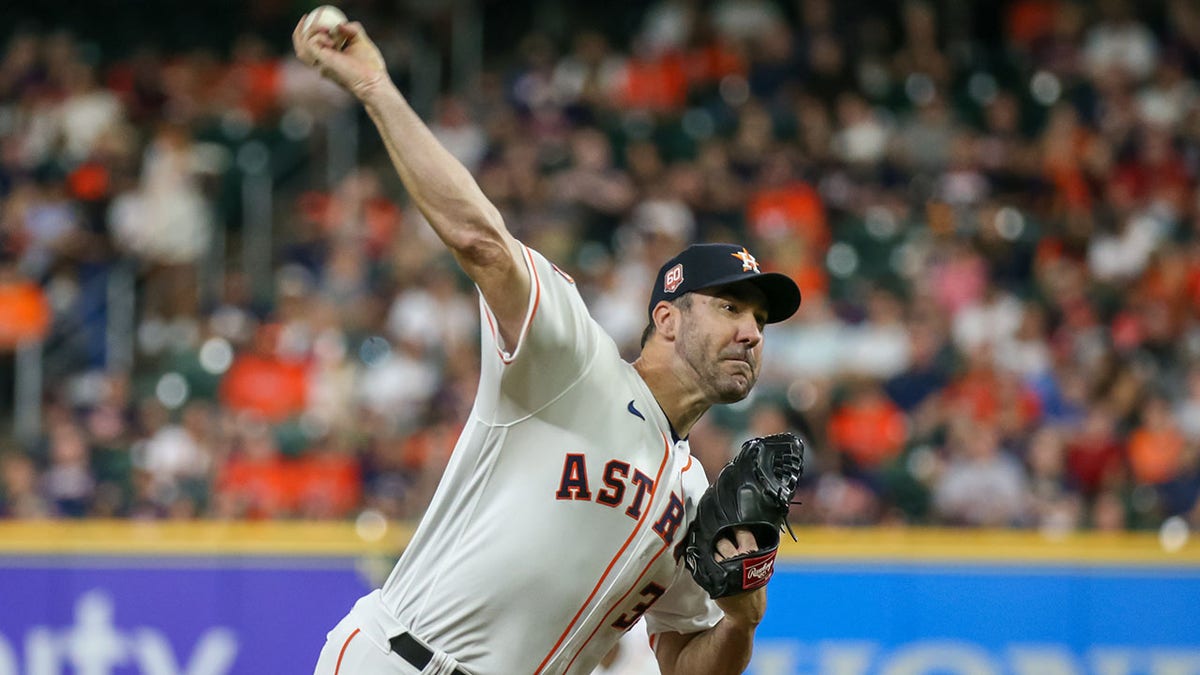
<point>330,18</point>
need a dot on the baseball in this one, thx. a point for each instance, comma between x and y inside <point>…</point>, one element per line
<point>330,18</point>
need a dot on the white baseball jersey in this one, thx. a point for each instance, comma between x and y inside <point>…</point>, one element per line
<point>555,525</point>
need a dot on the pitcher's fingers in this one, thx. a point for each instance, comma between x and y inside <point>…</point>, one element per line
<point>746,543</point>
<point>298,34</point>
<point>353,32</point>
<point>725,549</point>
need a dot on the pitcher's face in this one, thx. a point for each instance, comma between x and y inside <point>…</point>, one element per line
<point>721,338</point>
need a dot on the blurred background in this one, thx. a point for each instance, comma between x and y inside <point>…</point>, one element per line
<point>217,305</point>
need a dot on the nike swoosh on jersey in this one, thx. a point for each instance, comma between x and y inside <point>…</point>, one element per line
<point>635,411</point>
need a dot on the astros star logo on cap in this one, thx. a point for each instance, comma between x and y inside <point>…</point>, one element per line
<point>748,261</point>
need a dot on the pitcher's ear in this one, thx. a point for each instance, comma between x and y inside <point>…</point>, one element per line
<point>666,319</point>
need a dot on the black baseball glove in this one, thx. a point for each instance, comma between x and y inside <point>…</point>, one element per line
<point>753,492</point>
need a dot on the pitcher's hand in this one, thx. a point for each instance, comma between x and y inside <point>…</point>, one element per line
<point>743,608</point>
<point>358,66</point>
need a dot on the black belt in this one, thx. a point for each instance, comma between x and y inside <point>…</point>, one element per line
<point>415,652</point>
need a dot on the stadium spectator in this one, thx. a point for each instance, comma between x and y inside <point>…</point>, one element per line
<point>868,428</point>
<point>24,311</point>
<point>263,383</point>
<point>22,498</point>
<point>1055,507</point>
<point>1094,455</point>
<point>67,482</point>
<point>1156,446</point>
<point>981,485</point>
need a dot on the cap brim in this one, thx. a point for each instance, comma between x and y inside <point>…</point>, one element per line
<point>783,295</point>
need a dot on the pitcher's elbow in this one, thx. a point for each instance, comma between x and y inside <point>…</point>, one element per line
<point>484,242</point>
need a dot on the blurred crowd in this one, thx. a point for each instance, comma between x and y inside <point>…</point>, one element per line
<point>992,210</point>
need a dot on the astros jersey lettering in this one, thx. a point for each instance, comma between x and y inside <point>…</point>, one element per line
<point>554,527</point>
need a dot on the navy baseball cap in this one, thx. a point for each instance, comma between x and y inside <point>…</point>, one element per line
<point>701,266</point>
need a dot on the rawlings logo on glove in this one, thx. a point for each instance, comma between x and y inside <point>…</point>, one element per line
<point>752,492</point>
<point>757,573</point>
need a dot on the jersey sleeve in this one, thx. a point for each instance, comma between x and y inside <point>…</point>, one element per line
<point>556,345</point>
<point>683,608</point>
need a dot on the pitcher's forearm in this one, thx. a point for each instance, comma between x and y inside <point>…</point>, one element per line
<point>724,649</point>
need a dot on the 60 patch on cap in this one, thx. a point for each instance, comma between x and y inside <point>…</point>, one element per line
<point>673,278</point>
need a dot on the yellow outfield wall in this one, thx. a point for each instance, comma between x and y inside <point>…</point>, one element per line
<point>814,544</point>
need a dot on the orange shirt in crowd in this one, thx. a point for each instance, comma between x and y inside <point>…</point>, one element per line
<point>812,279</point>
<point>261,85</point>
<point>1155,455</point>
<point>657,84</point>
<point>792,209</point>
<point>1028,20</point>
<point>320,484</point>
<point>89,182</point>
<point>987,399</point>
<point>871,429</point>
<point>272,388</point>
<point>261,487</point>
<point>713,62</point>
<point>24,313</point>
<point>328,483</point>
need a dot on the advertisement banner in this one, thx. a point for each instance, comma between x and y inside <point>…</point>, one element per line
<point>149,616</point>
<point>970,619</point>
